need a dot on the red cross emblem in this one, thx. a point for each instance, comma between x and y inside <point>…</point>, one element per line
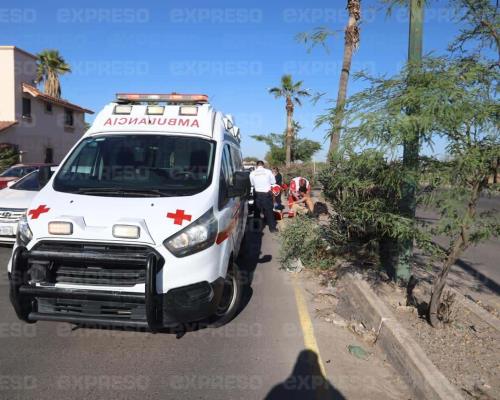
<point>35,213</point>
<point>179,216</point>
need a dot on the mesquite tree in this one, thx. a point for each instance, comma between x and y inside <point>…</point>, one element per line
<point>457,104</point>
<point>470,124</point>
<point>480,26</point>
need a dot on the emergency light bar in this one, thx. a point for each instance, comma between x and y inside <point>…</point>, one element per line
<point>167,97</point>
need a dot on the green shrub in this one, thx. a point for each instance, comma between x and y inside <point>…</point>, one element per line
<point>8,156</point>
<point>302,238</point>
<point>309,171</point>
<point>364,189</point>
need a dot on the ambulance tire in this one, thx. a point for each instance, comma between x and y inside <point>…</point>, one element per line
<point>231,297</point>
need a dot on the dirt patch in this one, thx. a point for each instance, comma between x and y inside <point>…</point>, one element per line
<point>473,287</point>
<point>466,350</point>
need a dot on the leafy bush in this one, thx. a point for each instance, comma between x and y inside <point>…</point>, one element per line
<point>364,192</point>
<point>302,149</point>
<point>364,189</point>
<point>8,156</point>
<point>309,171</point>
<point>302,238</point>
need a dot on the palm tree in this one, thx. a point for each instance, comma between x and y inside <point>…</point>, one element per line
<point>50,66</point>
<point>351,43</point>
<point>292,92</point>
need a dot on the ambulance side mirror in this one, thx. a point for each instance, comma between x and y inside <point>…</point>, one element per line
<point>241,184</point>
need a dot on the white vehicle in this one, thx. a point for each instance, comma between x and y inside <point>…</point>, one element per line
<point>14,201</point>
<point>142,222</point>
<point>248,167</point>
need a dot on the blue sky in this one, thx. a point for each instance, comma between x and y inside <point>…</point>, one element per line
<point>232,52</point>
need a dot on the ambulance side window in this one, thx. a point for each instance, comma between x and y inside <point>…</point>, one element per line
<point>237,161</point>
<point>230,165</point>
<point>226,177</point>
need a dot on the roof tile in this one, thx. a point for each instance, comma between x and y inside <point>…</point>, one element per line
<point>33,91</point>
<point>6,124</point>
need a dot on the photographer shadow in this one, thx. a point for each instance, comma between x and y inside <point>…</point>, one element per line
<point>306,382</point>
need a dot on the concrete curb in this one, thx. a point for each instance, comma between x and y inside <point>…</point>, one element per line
<point>406,356</point>
<point>478,311</point>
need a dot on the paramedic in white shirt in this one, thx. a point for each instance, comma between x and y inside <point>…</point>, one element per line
<point>261,180</point>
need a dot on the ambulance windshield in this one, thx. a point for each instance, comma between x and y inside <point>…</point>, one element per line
<point>138,166</point>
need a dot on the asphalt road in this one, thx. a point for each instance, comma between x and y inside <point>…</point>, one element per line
<point>260,354</point>
<point>484,258</point>
<point>477,272</point>
<point>250,358</point>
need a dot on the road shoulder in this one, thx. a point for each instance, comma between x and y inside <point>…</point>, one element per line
<point>373,378</point>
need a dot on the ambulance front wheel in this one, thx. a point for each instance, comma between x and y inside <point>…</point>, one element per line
<point>231,297</point>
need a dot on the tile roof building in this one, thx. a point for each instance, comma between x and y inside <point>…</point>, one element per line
<point>42,127</point>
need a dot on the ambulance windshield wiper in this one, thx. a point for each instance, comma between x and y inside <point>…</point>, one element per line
<point>123,192</point>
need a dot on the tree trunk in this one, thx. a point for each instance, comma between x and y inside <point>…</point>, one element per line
<point>459,245</point>
<point>496,165</point>
<point>411,145</point>
<point>351,40</point>
<point>289,131</point>
<point>437,289</point>
<point>52,87</point>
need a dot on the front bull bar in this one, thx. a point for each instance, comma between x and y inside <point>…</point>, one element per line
<point>23,295</point>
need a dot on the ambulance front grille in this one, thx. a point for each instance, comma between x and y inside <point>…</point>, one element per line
<point>90,308</point>
<point>99,276</point>
<point>93,264</point>
<point>11,214</point>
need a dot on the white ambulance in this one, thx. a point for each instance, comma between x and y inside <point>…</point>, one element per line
<point>141,225</point>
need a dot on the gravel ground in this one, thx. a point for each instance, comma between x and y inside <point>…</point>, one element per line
<point>467,350</point>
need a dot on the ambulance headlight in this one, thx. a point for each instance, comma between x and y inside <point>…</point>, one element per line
<point>24,234</point>
<point>195,237</point>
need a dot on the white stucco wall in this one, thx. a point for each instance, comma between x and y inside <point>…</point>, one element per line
<point>7,105</point>
<point>43,130</point>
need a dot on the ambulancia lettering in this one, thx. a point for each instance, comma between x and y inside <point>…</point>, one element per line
<point>120,121</point>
